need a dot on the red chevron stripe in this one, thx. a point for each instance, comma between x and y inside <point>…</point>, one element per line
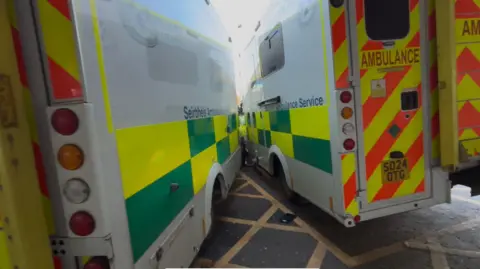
<point>62,6</point>
<point>339,32</point>
<point>421,187</point>
<point>413,155</point>
<point>385,142</point>
<point>342,81</point>
<point>63,84</point>
<point>18,53</point>
<point>467,62</point>
<point>432,26</point>
<point>466,9</point>
<point>373,105</point>
<point>468,116</point>
<point>360,10</point>
<point>42,179</point>
<point>350,190</point>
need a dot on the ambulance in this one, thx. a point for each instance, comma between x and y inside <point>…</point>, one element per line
<point>126,111</point>
<point>362,107</point>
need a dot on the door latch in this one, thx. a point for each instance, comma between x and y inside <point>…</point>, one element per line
<point>174,187</point>
<point>409,100</point>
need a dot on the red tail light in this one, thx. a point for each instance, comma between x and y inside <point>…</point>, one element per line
<point>82,223</point>
<point>357,219</point>
<point>97,263</point>
<point>345,97</point>
<point>349,144</point>
<point>65,121</point>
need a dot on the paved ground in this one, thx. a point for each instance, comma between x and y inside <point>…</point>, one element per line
<point>250,233</point>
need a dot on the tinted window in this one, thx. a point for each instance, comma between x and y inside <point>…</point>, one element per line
<point>272,54</point>
<point>387,20</point>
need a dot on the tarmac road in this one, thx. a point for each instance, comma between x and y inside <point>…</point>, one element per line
<point>250,233</point>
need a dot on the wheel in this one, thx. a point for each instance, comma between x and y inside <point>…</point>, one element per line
<point>216,197</point>
<point>289,194</point>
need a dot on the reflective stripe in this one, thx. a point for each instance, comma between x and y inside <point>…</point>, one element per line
<point>60,46</point>
<point>467,21</point>
<point>349,181</point>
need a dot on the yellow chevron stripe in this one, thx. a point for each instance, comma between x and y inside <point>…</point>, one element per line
<point>402,144</point>
<point>27,98</point>
<point>341,60</point>
<point>467,89</point>
<point>472,146</point>
<point>341,55</point>
<point>12,16</point>
<point>335,13</point>
<point>409,186</point>
<point>468,134</point>
<point>372,74</point>
<point>348,168</point>
<point>386,114</point>
<point>59,38</point>
<point>47,207</point>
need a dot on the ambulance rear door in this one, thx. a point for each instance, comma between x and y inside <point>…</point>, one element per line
<point>389,66</point>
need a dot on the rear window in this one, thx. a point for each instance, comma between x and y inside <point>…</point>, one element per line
<point>387,20</point>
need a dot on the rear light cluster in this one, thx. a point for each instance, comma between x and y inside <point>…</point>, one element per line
<point>97,263</point>
<point>345,105</point>
<point>71,157</point>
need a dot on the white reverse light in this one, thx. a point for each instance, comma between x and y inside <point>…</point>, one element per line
<point>76,191</point>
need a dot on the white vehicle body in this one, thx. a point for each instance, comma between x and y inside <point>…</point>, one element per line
<point>151,86</point>
<point>311,53</point>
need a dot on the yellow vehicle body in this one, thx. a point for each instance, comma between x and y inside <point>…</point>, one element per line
<point>24,241</point>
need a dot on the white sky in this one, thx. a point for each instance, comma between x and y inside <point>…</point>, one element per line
<point>244,12</point>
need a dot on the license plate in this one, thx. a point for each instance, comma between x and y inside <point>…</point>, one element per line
<point>395,170</point>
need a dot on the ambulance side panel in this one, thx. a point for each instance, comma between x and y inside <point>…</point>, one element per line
<point>302,129</point>
<point>162,84</point>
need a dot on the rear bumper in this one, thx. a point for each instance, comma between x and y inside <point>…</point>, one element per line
<point>395,209</point>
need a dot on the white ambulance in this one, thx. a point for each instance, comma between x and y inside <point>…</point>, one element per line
<point>131,108</point>
<point>344,106</point>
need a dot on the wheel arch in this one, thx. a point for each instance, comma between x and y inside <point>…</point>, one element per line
<point>276,152</point>
<point>215,175</point>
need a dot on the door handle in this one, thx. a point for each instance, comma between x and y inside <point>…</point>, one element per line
<point>409,100</point>
<point>174,187</point>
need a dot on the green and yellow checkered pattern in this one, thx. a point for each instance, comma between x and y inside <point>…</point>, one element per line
<point>152,157</point>
<point>301,133</point>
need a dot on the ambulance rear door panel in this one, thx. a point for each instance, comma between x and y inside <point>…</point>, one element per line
<point>389,49</point>
<point>467,31</point>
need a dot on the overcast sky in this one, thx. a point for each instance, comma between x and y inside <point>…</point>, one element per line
<point>240,12</point>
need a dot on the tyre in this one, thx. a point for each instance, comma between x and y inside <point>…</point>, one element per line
<point>216,197</point>
<point>289,194</point>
